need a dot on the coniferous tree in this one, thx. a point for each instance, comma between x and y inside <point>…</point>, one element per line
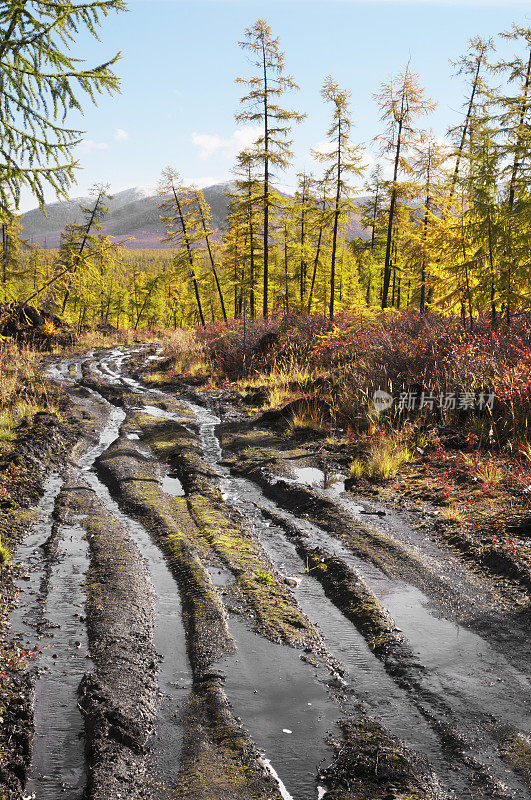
<point>261,105</point>
<point>10,254</point>
<point>470,65</point>
<point>427,165</point>
<point>371,217</point>
<point>175,217</point>
<point>78,237</point>
<point>40,82</point>
<point>514,118</point>
<point>322,219</point>
<point>344,161</point>
<point>401,101</point>
<point>246,208</point>
<point>201,218</point>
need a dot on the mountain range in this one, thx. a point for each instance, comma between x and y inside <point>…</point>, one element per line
<point>132,213</point>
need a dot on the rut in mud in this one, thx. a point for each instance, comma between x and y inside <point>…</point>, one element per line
<point>209,628</point>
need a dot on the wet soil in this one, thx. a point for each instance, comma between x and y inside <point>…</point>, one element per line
<point>229,621</point>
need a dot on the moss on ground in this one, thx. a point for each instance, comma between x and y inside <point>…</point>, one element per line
<point>219,761</point>
<point>370,763</point>
<point>516,750</point>
<point>199,521</point>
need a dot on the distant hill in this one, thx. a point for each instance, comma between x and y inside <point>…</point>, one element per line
<point>132,213</point>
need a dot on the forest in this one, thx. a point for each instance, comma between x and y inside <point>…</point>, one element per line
<point>448,222</point>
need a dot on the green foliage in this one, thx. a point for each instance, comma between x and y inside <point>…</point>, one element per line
<point>41,81</point>
<point>450,232</point>
<point>263,577</point>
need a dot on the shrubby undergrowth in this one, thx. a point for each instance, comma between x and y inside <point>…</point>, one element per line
<point>403,353</point>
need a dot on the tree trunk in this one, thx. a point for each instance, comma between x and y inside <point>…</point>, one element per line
<point>82,247</point>
<point>286,275</point>
<point>190,258</point>
<point>390,223</point>
<point>265,306</point>
<point>336,224</point>
<point>252,270</point>
<point>465,127</point>
<point>315,264</point>
<point>424,251</point>
<point>214,271</point>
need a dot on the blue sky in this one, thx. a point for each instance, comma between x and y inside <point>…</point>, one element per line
<point>180,59</point>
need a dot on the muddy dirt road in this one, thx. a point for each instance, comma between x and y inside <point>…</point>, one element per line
<point>217,618</point>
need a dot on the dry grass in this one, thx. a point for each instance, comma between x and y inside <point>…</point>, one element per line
<point>277,397</point>
<point>22,391</point>
<point>525,452</point>
<point>487,472</point>
<point>386,457</point>
<point>186,353</point>
<point>307,421</point>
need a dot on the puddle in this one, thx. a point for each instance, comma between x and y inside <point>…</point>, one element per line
<point>155,411</point>
<point>58,761</point>
<point>58,372</point>
<point>169,640</point>
<point>281,786</point>
<point>49,616</point>
<point>271,689</point>
<point>29,556</point>
<point>108,435</point>
<point>332,483</point>
<point>172,486</point>
<point>459,661</point>
<point>220,576</point>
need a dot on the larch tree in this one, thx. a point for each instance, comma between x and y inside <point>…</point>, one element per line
<point>175,218</point>
<point>401,100</point>
<point>79,236</point>
<point>260,104</point>
<point>201,219</point>
<point>470,65</point>
<point>321,220</point>
<point>428,161</point>
<point>343,160</point>
<point>302,208</point>
<point>514,118</point>
<point>10,255</point>
<point>515,112</point>
<point>40,82</point>
<point>247,209</point>
<point>371,213</point>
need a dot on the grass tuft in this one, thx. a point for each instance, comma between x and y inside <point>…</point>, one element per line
<point>453,514</point>
<point>306,421</point>
<point>386,457</point>
<point>5,554</point>
<point>263,577</point>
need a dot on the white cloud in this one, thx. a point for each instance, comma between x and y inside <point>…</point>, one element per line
<point>325,147</point>
<point>209,144</point>
<point>88,145</point>
<point>120,135</point>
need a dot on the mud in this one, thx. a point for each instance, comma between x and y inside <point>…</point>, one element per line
<point>190,546</point>
<point>119,698</point>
